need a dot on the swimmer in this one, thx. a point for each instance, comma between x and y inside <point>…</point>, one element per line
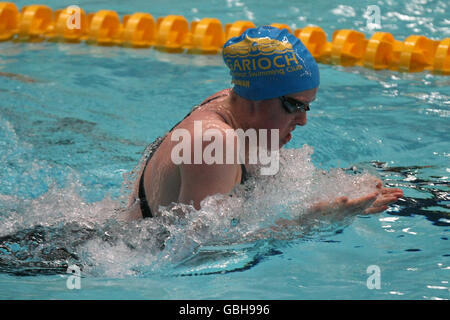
<point>275,80</point>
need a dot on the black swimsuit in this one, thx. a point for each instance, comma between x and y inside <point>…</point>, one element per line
<point>145,208</point>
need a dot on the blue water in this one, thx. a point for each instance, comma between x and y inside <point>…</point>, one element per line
<point>80,117</point>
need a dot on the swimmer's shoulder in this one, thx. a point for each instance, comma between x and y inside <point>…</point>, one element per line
<point>208,115</point>
<point>216,97</point>
<point>208,112</point>
<point>205,119</point>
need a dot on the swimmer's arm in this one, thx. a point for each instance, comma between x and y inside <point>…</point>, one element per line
<point>343,207</point>
<point>333,211</point>
<point>374,202</point>
<point>201,180</point>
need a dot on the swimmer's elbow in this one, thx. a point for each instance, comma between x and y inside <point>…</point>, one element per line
<point>189,198</point>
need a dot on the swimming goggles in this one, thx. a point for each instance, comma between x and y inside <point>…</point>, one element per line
<point>292,105</point>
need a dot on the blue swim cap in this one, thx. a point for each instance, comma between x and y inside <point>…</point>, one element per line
<point>269,62</point>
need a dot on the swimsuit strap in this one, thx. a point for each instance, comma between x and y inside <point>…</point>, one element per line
<point>244,175</point>
<point>145,208</point>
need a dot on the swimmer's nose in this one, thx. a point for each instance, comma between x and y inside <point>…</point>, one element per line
<point>300,119</point>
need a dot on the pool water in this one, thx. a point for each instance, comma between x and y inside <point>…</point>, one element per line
<point>75,123</point>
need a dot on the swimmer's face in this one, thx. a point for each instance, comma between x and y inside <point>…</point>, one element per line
<point>275,116</point>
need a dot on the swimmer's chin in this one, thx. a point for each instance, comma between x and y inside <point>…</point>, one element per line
<point>285,140</point>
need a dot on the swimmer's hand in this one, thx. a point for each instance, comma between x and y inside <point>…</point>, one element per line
<point>385,197</point>
<point>374,202</point>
